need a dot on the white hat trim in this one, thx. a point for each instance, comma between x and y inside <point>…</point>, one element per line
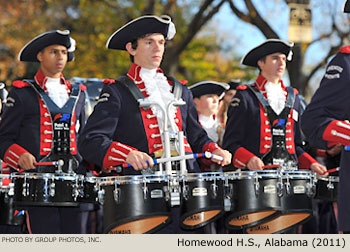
<point>164,19</point>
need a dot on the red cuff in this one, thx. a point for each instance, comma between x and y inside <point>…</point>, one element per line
<point>337,132</point>
<point>321,153</point>
<point>13,153</point>
<point>305,161</point>
<point>241,157</point>
<point>211,147</point>
<point>116,154</point>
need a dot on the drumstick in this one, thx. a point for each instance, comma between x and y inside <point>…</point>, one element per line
<point>177,158</point>
<point>270,166</point>
<point>54,163</point>
<point>332,170</point>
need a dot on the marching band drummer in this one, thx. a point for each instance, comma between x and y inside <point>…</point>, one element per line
<point>206,96</point>
<point>119,130</point>
<point>325,122</point>
<point>263,126</point>
<point>26,129</point>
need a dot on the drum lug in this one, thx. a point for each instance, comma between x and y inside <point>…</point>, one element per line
<point>185,191</point>
<point>287,187</point>
<point>214,189</point>
<point>116,194</point>
<point>52,189</point>
<point>145,191</point>
<point>330,185</point>
<point>311,188</point>
<point>11,191</point>
<point>228,191</point>
<point>279,188</point>
<point>25,188</point>
<point>100,196</point>
<point>257,186</point>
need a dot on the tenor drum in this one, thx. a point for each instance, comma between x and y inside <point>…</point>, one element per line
<point>202,199</point>
<point>254,196</point>
<point>135,204</point>
<point>296,201</point>
<point>327,188</point>
<point>9,215</point>
<point>47,189</point>
<point>90,190</point>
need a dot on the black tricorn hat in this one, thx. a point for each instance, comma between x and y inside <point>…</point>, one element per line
<point>346,8</point>
<point>57,37</point>
<point>139,27</point>
<point>208,87</point>
<point>268,47</point>
<point>234,84</point>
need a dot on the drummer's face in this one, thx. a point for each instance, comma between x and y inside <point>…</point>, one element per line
<point>149,51</point>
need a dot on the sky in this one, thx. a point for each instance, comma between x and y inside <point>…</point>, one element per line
<point>242,36</point>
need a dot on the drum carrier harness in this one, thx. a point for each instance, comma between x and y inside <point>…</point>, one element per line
<point>278,153</point>
<point>142,102</point>
<point>61,124</point>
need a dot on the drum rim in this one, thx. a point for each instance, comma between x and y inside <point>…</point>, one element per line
<point>37,175</point>
<point>328,178</point>
<point>201,176</point>
<point>253,174</point>
<point>133,179</point>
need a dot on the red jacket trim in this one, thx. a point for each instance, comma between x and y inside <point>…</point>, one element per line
<point>20,84</point>
<point>116,154</point>
<point>337,132</point>
<point>305,161</point>
<point>241,157</point>
<point>12,155</point>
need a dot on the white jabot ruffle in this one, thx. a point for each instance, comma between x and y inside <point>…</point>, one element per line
<point>275,96</point>
<point>210,125</point>
<point>56,91</point>
<point>159,91</point>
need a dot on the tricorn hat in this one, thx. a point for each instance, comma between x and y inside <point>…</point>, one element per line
<point>234,84</point>
<point>31,49</point>
<point>139,27</point>
<point>346,8</point>
<point>209,87</point>
<point>268,47</point>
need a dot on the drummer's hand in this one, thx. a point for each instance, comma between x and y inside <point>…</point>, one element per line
<point>318,168</point>
<point>223,153</point>
<point>255,163</point>
<point>138,160</point>
<point>26,161</point>
<point>335,150</point>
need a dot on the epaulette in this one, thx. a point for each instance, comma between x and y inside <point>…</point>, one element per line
<point>82,87</point>
<point>242,87</point>
<point>296,91</point>
<point>345,49</point>
<point>183,82</point>
<point>108,81</point>
<point>20,84</point>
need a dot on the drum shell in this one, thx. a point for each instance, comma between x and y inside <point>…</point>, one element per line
<point>133,206</point>
<point>64,191</point>
<point>296,200</point>
<point>202,203</point>
<point>8,211</point>
<point>246,199</point>
<point>324,190</point>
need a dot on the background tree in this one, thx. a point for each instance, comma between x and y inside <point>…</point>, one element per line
<point>330,26</point>
<point>91,22</point>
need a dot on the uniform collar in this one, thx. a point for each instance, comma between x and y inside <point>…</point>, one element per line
<point>134,73</point>
<point>261,81</point>
<point>41,79</point>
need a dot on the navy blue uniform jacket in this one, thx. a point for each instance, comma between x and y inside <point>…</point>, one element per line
<point>118,125</point>
<point>26,124</point>
<point>323,123</point>
<point>248,131</point>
